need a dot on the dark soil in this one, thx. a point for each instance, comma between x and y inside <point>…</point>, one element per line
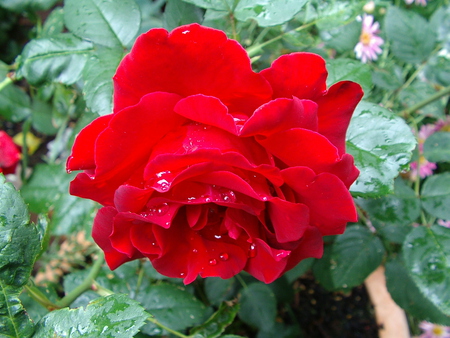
<point>325,314</point>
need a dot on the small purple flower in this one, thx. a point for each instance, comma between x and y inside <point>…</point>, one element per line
<point>418,2</point>
<point>369,42</point>
<point>444,223</point>
<point>431,330</point>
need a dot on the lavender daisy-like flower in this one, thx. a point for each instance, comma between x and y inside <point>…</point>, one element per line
<point>431,330</point>
<point>369,42</point>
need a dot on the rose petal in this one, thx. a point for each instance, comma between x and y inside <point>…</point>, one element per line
<point>298,74</point>
<point>301,147</point>
<point>82,156</point>
<point>129,198</point>
<point>9,154</point>
<point>102,229</point>
<point>311,245</point>
<point>187,254</point>
<point>330,203</point>
<point>281,114</point>
<point>335,111</point>
<point>207,110</point>
<point>289,220</point>
<point>190,60</point>
<point>265,263</point>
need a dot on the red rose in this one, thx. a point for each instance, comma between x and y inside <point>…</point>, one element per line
<point>9,154</point>
<point>208,168</point>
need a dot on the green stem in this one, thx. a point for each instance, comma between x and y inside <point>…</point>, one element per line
<point>84,286</point>
<point>39,297</point>
<point>25,130</point>
<point>253,50</point>
<point>100,290</point>
<point>5,83</point>
<point>241,280</point>
<point>168,329</point>
<point>428,100</point>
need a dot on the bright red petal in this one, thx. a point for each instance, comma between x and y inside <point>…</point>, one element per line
<point>335,111</point>
<point>190,60</point>
<point>330,204</point>
<point>298,74</point>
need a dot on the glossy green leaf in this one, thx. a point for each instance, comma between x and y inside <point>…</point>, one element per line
<point>268,13</point>
<point>412,37</point>
<point>322,269</point>
<point>356,254</point>
<point>435,195</point>
<point>60,58</point>
<point>14,102</point>
<point>42,117</point>
<point>217,323</point>
<point>19,240</point>
<point>178,13</point>
<point>98,84</point>
<point>173,306</point>
<point>258,306</point>
<point>349,70</point>
<point>408,296</point>
<point>343,38</point>
<point>110,23</point>
<point>218,290</point>
<point>113,316</point>
<point>392,215</point>
<point>382,145</point>
<point>427,257</point>
<point>14,321</point>
<point>19,246</point>
<point>437,147</point>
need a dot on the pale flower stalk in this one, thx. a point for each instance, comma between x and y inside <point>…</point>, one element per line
<point>368,47</point>
<point>418,2</point>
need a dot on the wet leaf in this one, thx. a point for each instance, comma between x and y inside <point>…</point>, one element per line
<point>217,323</point>
<point>113,316</point>
<point>382,145</point>
<point>258,306</point>
<point>427,256</point>
<point>435,195</point>
<point>437,147</point>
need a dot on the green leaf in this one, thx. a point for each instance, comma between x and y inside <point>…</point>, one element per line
<point>42,118</point>
<point>109,23</point>
<point>427,257</point>
<point>435,195</point>
<point>268,13</point>
<point>343,37</point>
<point>408,296</point>
<point>19,246</point>
<point>178,13</point>
<point>14,321</point>
<point>356,254</point>
<point>54,24</point>
<point>113,316</point>
<point>14,102</point>
<point>218,290</point>
<point>19,240</point>
<point>437,147</point>
<point>173,306</point>
<point>258,306</point>
<point>217,323</point>
<point>60,58</point>
<point>390,78</point>
<point>27,5</point>
<point>393,214</point>
<point>412,37</point>
<point>322,269</point>
<point>217,5</point>
<point>437,70</point>
<point>98,84</point>
<point>382,145</point>
<point>48,190</point>
<point>349,70</point>
<point>418,92</point>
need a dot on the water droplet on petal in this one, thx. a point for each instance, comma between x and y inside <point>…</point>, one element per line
<point>223,256</point>
<point>163,185</point>
<point>252,250</point>
<point>69,171</point>
<point>227,196</point>
<point>182,274</point>
<point>162,209</point>
<point>194,250</point>
<point>212,262</point>
<point>217,236</point>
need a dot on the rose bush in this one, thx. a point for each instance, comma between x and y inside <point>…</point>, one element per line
<point>208,168</point>
<point>9,154</point>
